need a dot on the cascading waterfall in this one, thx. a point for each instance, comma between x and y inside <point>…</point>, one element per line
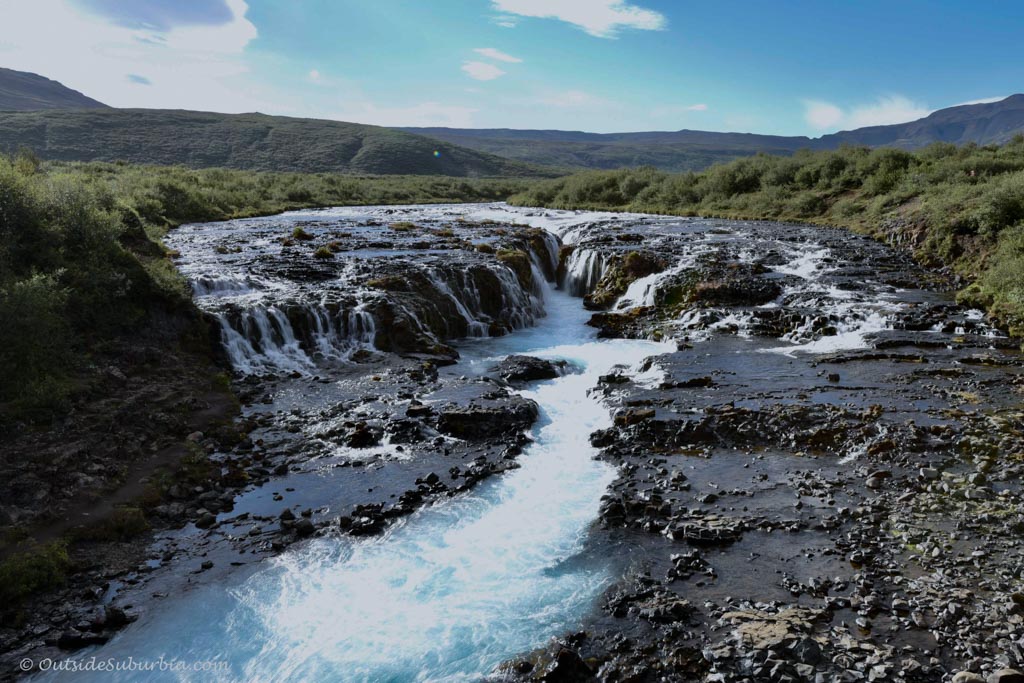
<point>263,339</point>
<point>583,270</point>
<point>261,335</point>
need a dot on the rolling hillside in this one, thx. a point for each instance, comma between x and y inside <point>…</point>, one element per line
<point>685,150</point>
<point>989,123</point>
<point>689,150</point>
<point>24,91</point>
<point>243,141</point>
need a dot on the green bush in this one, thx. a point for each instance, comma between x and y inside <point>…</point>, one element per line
<point>29,571</point>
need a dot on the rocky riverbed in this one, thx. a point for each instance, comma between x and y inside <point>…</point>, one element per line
<point>809,468</point>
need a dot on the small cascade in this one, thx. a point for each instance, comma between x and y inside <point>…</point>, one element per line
<point>468,294</point>
<point>583,271</point>
<point>551,246</point>
<point>268,339</point>
<point>222,284</point>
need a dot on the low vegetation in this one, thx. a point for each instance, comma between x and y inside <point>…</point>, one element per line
<point>252,142</point>
<point>957,206</point>
<point>81,261</point>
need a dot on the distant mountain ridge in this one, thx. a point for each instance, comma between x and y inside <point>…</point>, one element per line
<point>985,123</point>
<point>691,150</point>
<point>24,91</point>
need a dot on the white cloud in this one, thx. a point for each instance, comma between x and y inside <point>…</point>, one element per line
<point>983,100</point>
<point>822,115</point>
<point>697,107</point>
<point>314,76</point>
<point>600,18</point>
<point>498,55</point>
<point>189,65</point>
<point>885,111</point>
<point>482,71</point>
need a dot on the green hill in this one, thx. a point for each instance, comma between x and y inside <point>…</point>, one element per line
<point>24,91</point>
<point>243,141</point>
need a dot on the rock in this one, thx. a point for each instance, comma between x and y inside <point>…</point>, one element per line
<point>418,410</point>
<point>1006,676</point>
<point>194,437</point>
<point>76,640</point>
<point>363,436</point>
<point>967,677</point>
<point>527,369</point>
<point>709,531</point>
<point>566,667</point>
<point>487,419</point>
<point>634,416</point>
<point>286,515</point>
<point>304,528</point>
<point>115,617</point>
<point>206,521</point>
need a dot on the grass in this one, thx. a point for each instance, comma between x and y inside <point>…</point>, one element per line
<point>961,206</point>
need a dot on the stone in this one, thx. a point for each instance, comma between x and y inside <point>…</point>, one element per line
<point>527,369</point>
<point>1006,676</point>
<point>487,419</point>
<point>967,677</point>
<point>206,521</point>
<point>634,416</point>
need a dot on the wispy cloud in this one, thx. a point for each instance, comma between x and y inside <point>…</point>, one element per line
<point>139,80</point>
<point>883,111</point>
<point>886,110</point>
<point>492,53</point>
<point>822,115</point>
<point>600,18</point>
<point>482,71</point>
<point>697,107</point>
<point>314,76</point>
<point>983,100</point>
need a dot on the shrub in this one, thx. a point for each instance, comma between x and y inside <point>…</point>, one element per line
<point>29,571</point>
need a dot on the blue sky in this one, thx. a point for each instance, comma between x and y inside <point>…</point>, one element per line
<point>793,68</point>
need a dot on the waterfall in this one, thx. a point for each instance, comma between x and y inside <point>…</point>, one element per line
<point>264,339</point>
<point>583,271</point>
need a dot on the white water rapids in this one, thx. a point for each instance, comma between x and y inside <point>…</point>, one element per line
<point>446,595</point>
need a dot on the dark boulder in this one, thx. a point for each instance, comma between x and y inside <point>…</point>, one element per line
<point>486,418</point>
<point>528,369</point>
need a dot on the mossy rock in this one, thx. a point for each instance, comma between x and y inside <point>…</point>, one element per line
<point>519,262</point>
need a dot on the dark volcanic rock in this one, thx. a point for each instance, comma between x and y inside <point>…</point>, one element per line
<point>485,418</point>
<point>528,369</point>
